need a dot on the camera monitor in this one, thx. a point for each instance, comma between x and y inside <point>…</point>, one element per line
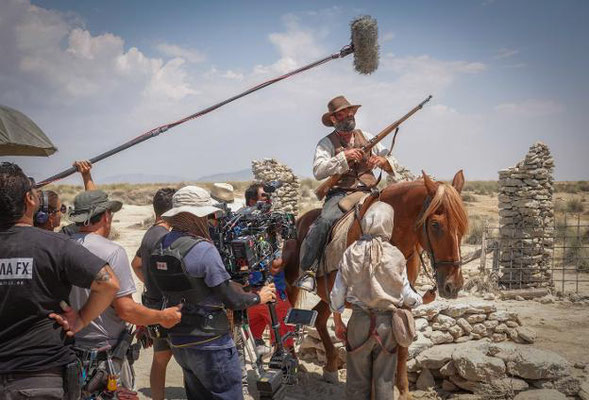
<point>299,316</point>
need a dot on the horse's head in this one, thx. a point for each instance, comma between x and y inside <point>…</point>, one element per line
<point>440,228</point>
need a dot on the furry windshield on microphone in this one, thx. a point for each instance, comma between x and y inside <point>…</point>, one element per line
<point>365,44</point>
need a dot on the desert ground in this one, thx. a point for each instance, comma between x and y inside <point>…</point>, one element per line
<point>561,326</point>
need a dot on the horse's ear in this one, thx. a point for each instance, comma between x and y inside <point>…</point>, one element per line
<point>458,181</point>
<point>430,185</point>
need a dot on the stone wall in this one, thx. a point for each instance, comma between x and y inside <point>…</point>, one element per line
<point>526,220</point>
<point>286,198</point>
<point>471,347</point>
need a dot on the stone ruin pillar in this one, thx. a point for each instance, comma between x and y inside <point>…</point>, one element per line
<point>286,198</point>
<point>526,220</point>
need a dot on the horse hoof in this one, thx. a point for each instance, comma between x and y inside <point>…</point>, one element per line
<point>330,376</point>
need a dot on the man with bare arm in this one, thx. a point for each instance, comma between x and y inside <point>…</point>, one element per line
<point>93,213</point>
<point>37,271</point>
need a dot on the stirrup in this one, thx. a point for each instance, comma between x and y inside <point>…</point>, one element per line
<point>307,282</point>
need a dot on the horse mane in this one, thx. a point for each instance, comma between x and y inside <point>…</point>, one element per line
<point>448,198</point>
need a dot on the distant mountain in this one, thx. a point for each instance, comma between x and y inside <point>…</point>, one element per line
<point>142,178</point>
<point>241,175</point>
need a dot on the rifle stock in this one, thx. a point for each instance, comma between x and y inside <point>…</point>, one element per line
<point>322,190</point>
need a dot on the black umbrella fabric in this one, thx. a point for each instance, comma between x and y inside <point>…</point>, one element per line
<point>20,136</point>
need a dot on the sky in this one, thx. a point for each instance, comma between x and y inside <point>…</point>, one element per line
<point>503,75</point>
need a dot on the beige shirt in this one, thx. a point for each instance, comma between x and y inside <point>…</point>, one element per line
<point>326,163</point>
<point>372,273</point>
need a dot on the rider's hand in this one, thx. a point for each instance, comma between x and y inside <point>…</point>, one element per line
<point>170,316</point>
<point>70,319</point>
<point>378,161</point>
<point>354,154</point>
<point>267,293</point>
<point>341,331</point>
<point>83,166</point>
<point>429,296</point>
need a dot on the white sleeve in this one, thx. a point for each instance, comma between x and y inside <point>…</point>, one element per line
<point>382,151</point>
<point>325,163</point>
<point>411,299</point>
<point>337,296</point>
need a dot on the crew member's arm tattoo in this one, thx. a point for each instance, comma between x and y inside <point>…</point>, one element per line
<point>102,276</point>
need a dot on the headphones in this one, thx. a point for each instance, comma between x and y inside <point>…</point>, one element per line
<point>42,215</point>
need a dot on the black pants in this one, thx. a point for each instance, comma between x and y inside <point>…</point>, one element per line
<point>45,385</point>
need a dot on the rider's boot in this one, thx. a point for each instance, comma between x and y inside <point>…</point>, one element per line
<point>307,281</point>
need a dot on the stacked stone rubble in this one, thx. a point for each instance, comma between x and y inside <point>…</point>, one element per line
<point>526,220</point>
<point>476,348</point>
<point>470,347</point>
<point>286,198</point>
<point>312,350</point>
<point>493,371</point>
<point>440,323</point>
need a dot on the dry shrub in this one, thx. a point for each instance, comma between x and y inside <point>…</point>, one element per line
<point>468,198</point>
<point>476,226</point>
<point>575,206</point>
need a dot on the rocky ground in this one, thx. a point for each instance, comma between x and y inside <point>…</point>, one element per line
<point>560,327</point>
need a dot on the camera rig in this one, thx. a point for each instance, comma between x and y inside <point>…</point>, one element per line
<point>248,243</point>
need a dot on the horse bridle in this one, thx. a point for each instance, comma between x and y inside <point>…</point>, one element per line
<point>430,250</point>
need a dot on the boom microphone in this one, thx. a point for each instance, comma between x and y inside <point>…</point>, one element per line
<point>365,44</point>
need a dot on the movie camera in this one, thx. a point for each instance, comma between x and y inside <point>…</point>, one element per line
<point>248,241</point>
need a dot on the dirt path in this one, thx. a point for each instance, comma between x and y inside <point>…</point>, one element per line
<point>561,327</point>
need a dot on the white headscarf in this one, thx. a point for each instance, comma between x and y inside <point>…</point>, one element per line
<point>371,267</point>
<point>377,228</point>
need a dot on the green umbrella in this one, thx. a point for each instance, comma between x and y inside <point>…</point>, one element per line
<point>20,136</point>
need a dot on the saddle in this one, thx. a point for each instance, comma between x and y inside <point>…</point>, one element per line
<point>341,234</point>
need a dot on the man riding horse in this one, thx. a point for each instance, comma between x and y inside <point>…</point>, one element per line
<point>339,153</point>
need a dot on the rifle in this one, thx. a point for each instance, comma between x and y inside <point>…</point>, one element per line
<point>322,189</point>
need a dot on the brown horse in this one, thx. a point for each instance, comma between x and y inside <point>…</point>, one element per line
<point>428,215</point>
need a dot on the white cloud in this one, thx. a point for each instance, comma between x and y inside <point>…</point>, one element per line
<point>60,61</point>
<point>90,92</point>
<point>229,74</point>
<point>531,108</point>
<point>505,53</point>
<point>191,55</point>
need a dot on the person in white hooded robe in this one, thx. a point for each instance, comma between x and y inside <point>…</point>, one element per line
<point>372,278</point>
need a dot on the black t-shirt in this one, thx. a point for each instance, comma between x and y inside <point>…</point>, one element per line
<point>37,271</point>
<point>148,243</point>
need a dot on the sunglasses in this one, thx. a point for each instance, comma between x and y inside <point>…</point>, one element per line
<point>62,209</point>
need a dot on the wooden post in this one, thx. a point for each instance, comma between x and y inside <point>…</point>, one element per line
<point>483,264</point>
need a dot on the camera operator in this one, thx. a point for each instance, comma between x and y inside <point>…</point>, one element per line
<point>188,269</point>
<point>254,193</point>
<point>259,316</point>
<point>37,271</point>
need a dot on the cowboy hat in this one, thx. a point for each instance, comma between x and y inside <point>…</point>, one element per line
<point>337,104</point>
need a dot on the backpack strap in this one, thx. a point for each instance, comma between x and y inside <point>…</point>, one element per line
<point>184,244</point>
